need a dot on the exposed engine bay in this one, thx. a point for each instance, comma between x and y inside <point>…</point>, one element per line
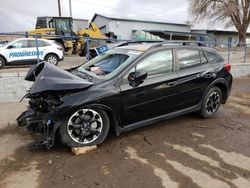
<point>50,85</point>
<point>39,116</point>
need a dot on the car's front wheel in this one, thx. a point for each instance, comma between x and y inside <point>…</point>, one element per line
<point>85,127</point>
<point>2,62</point>
<point>51,58</point>
<point>211,102</point>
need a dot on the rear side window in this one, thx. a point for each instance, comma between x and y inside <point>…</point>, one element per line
<point>32,43</point>
<point>43,43</point>
<point>191,58</point>
<point>212,57</point>
<point>203,57</point>
<point>160,63</point>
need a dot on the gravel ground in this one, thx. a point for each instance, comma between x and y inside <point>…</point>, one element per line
<point>183,152</point>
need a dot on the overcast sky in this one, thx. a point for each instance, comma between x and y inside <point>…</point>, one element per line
<point>20,15</point>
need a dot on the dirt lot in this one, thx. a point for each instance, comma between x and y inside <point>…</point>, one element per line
<point>183,152</point>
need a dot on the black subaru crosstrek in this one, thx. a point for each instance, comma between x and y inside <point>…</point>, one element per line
<point>124,88</point>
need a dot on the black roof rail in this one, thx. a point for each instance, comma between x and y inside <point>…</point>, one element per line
<point>179,42</point>
<point>139,42</point>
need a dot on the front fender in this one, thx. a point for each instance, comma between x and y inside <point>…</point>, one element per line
<point>108,100</point>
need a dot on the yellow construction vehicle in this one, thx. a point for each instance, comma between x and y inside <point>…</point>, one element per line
<point>93,32</point>
<point>63,26</point>
<point>56,26</point>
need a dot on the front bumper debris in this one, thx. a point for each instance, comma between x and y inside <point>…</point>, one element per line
<point>39,123</point>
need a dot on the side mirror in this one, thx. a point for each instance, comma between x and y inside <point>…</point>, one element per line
<point>137,78</point>
<point>10,47</point>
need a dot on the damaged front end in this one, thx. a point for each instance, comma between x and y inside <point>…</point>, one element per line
<point>39,117</point>
<point>50,85</point>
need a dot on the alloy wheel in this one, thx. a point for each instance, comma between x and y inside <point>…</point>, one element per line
<point>52,60</point>
<point>85,126</point>
<point>213,102</point>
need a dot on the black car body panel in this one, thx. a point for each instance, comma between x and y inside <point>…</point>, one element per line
<point>57,93</point>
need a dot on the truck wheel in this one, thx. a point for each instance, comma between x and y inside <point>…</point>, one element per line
<point>211,103</point>
<point>51,58</point>
<point>85,127</point>
<point>2,62</point>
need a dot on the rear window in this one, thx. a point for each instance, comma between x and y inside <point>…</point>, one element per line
<point>191,58</point>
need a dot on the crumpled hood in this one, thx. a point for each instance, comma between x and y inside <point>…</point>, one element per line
<point>48,77</point>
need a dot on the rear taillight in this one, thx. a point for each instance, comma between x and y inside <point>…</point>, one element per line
<point>227,67</point>
<point>59,48</point>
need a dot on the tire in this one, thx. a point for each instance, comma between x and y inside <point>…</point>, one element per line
<point>78,123</point>
<point>51,58</point>
<point>2,62</point>
<point>211,103</point>
<point>82,50</point>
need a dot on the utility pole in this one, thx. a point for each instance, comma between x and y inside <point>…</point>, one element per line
<point>70,8</point>
<point>59,8</point>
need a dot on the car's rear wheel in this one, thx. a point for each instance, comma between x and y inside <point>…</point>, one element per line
<point>211,102</point>
<point>2,62</point>
<point>85,127</point>
<point>51,58</point>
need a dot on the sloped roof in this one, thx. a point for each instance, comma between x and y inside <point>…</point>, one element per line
<point>119,18</point>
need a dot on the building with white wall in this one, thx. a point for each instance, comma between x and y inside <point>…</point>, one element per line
<point>219,37</point>
<point>79,24</point>
<point>124,27</point>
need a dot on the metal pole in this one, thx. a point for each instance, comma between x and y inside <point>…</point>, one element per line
<point>59,8</point>
<point>87,50</point>
<point>228,53</point>
<point>245,58</point>
<point>70,8</point>
<point>37,50</point>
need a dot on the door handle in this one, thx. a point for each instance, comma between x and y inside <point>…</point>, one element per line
<point>210,75</point>
<point>207,75</point>
<point>173,83</point>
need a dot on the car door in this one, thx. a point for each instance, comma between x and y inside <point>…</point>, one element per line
<point>157,95</point>
<point>194,75</point>
<point>19,52</point>
<point>34,46</point>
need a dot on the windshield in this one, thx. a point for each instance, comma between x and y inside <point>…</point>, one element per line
<point>108,64</point>
<point>63,25</point>
<point>3,45</point>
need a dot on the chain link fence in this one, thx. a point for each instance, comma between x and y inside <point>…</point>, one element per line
<point>232,53</point>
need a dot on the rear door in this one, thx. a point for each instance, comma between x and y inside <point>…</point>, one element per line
<point>42,48</point>
<point>157,95</point>
<point>194,75</point>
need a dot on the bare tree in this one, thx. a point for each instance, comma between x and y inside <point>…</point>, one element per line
<point>231,12</point>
